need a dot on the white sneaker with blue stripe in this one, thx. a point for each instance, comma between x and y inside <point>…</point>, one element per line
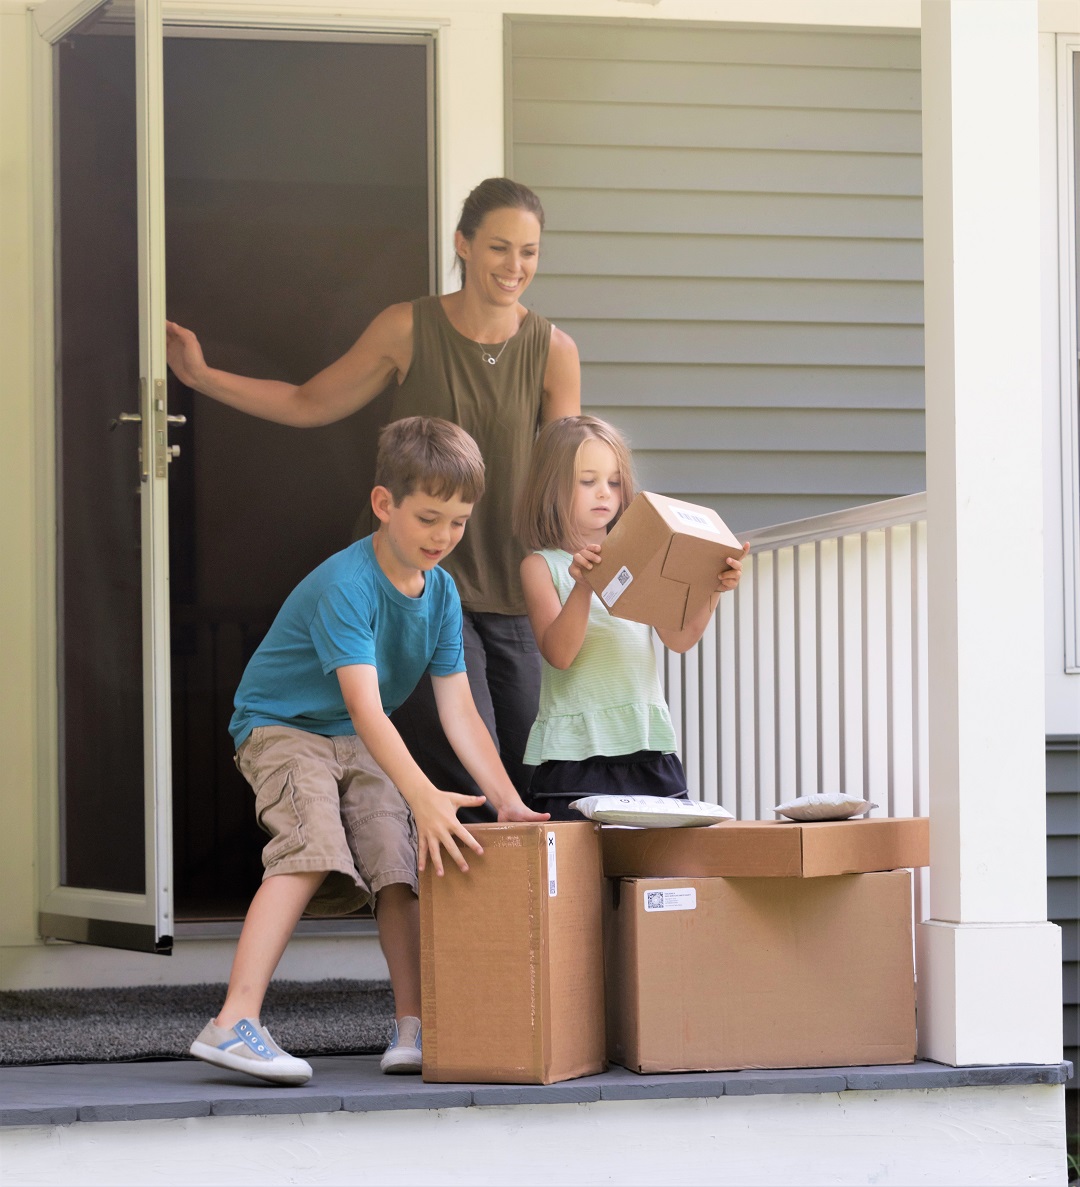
<point>248,1047</point>
<point>403,1056</point>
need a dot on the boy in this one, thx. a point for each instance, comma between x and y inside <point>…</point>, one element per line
<point>315,741</point>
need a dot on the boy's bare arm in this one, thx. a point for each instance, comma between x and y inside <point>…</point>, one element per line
<point>466,732</point>
<point>435,811</point>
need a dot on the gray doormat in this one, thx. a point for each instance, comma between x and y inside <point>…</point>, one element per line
<point>335,1017</point>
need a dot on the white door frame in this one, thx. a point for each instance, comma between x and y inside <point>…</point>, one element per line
<point>1068,67</point>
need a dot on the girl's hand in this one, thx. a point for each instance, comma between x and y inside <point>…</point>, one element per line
<point>585,560</point>
<point>184,354</point>
<point>729,578</point>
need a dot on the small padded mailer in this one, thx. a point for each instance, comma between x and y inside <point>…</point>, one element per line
<point>650,811</point>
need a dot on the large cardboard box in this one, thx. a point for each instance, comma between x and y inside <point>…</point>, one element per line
<point>661,561</point>
<point>768,849</point>
<point>711,974</point>
<point>511,958</point>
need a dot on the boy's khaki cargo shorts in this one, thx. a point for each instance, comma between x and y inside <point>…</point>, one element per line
<point>328,805</point>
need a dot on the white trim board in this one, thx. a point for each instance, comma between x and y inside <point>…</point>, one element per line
<point>1002,1135</point>
<point>193,961</point>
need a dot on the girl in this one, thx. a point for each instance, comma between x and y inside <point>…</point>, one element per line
<point>604,726</point>
<point>480,358</point>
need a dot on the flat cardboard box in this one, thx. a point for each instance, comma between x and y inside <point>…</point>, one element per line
<point>714,974</point>
<point>768,849</point>
<point>661,561</point>
<point>511,957</point>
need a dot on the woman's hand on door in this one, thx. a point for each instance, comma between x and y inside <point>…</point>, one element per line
<point>185,355</point>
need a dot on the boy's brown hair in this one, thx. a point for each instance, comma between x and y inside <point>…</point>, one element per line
<point>542,516</point>
<point>428,454</point>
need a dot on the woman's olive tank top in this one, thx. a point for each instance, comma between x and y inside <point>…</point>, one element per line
<point>499,405</point>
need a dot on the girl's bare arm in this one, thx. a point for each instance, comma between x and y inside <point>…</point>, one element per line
<point>559,629</point>
<point>683,640</point>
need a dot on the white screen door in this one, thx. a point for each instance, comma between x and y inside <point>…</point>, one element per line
<point>106,857</point>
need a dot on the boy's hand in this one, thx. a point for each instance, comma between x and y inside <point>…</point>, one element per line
<point>583,561</point>
<point>438,828</point>
<point>520,813</point>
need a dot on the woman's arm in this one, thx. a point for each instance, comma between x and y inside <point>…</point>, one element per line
<point>562,378</point>
<point>382,351</point>
<point>559,628</point>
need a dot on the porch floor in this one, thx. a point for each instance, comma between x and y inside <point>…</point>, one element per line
<point>61,1094</point>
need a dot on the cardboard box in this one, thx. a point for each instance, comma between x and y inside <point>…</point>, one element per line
<point>768,849</point>
<point>511,958</point>
<point>661,560</point>
<point>714,974</point>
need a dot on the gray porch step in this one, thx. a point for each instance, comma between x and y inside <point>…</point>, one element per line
<point>62,1094</point>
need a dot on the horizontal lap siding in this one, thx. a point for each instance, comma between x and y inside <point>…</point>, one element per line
<point>735,244</point>
<point>1063,877</point>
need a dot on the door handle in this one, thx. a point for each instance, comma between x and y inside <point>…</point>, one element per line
<point>134,418</point>
<point>163,453</point>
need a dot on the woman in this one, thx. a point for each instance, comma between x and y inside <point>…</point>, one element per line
<point>477,357</point>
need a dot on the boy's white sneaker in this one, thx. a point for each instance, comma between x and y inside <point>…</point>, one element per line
<point>403,1056</point>
<point>248,1047</point>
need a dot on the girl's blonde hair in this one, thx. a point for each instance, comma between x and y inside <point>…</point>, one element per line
<point>542,516</point>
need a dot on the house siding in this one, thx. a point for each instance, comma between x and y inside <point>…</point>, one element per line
<point>734,241</point>
<point>1063,878</point>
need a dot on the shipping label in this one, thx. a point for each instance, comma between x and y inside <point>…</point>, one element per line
<point>683,899</point>
<point>616,586</point>
<point>695,519</point>
<point>552,870</point>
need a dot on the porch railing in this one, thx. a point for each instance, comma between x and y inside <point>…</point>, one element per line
<point>812,676</point>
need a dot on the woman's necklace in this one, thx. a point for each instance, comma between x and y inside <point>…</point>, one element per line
<point>493,358</point>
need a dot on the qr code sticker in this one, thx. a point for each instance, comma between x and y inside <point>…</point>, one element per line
<point>616,587</point>
<point>682,898</point>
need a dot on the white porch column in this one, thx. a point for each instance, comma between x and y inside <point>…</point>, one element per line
<point>989,963</point>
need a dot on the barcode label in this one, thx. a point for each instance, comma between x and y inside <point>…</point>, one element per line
<point>684,899</point>
<point>552,870</point>
<point>615,587</point>
<point>695,519</point>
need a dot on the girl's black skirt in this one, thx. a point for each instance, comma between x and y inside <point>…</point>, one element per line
<point>645,772</point>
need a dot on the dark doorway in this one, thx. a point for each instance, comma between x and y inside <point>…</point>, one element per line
<point>99,509</point>
<point>298,205</point>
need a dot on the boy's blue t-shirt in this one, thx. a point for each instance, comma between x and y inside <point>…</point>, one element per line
<point>347,611</point>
